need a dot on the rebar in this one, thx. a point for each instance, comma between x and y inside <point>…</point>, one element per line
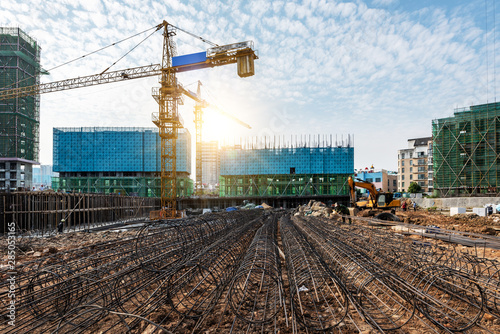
<point>380,296</point>
<point>256,290</point>
<point>318,297</point>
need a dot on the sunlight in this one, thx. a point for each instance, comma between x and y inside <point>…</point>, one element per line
<point>220,128</point>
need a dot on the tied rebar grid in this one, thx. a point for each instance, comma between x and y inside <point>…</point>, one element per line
<point>318,298</point>
<point>112,275</point>
<point>486,272</point>
<point>445,284</point>
<point>450,299</point>
<point>256,292</point>
<point>379,296</point>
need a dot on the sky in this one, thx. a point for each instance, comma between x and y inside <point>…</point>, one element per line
<point>380,70</point>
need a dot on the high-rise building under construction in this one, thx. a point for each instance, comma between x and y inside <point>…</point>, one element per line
<point>466,151</point>
<point>19,117</point>
<point>116,160</point>
<point>210,163</point>
<point>319,166</point>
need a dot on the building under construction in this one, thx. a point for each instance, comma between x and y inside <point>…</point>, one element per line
<point>466,151</point>
<point>318,166</point>
<point>210,164</point>
<point>116,160</point>
<point>19,117</point>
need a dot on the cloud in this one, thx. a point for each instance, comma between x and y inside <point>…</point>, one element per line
<point>384,2</point>
<point>341,67</point>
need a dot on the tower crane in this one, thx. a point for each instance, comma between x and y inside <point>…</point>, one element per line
<point>198,121</point>
<point>168,95</point>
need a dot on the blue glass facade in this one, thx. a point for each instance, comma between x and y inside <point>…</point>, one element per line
<point>114,150</point>
<point>303,160</point>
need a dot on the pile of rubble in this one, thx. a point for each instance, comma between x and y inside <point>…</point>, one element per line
<point>315,209</point>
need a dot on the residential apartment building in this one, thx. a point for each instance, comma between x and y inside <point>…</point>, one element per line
<point>117,160</point>
<point>42,176</point>
<point>293,169</point>
<point>415,164</point>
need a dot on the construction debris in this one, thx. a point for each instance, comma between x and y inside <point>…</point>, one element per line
<point>315,209</point>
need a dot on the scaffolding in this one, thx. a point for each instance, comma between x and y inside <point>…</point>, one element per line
<point>141,186</point>
<point>122,160</point>
<point>294,168</point>
<point>114,149</point>
<point>19,117</point>
<point>466,150</point>
<point>284,185</point>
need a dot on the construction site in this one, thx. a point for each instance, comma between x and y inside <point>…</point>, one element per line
<point>127,242</point>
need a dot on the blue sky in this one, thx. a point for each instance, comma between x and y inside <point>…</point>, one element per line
<point>378,69</point>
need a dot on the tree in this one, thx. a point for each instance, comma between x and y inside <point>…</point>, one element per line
<point>414,188</point>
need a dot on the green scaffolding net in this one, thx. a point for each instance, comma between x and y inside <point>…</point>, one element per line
<point>466,150</point>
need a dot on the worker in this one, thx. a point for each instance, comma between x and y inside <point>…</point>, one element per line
<point>490,210</point>
<point>60,226</point>
<point>403,206</point>
<point>342,210</point>
<point>414,206</point>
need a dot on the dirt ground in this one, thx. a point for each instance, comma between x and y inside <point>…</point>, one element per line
<point>469,222</point>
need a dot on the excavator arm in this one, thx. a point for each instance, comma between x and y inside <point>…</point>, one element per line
<point>365,185</point>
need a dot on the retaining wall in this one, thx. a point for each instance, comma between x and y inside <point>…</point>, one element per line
<point>463,202</point>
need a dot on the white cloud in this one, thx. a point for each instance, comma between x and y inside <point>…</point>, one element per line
<point>384,2</point>
<point>344,67</point>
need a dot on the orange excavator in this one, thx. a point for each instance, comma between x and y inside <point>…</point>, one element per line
<point>376,199</point>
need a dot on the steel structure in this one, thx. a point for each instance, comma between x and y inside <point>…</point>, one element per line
<point>168,95</point>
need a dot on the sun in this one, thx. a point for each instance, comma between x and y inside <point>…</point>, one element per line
<point>218,127</point>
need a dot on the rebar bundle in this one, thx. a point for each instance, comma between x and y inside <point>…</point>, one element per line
<point>114,275</point>
<point>450,299</point>
<point>318,298</point>
<point>223,272</point>
<point>256,291</point>
<point>379,295</point>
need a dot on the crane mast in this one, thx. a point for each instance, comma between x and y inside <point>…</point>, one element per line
<point>168,123</point>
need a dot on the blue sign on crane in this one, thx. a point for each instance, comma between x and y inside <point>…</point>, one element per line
<point>189,59</point>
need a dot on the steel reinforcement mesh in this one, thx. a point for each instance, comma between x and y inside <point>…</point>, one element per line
<point>255,271</point>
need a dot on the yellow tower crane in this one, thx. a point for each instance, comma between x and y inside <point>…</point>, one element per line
<point>168,95</point>
<point>198,121</point>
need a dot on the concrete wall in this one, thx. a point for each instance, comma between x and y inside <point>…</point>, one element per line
<point>463,202</point>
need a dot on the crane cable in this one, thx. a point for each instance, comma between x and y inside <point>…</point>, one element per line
<point>195,36</point>
<point>90,53</point>
<point>129,51</point>
<point>156,28</point>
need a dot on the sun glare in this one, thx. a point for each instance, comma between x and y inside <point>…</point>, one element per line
<point>220,128</point>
